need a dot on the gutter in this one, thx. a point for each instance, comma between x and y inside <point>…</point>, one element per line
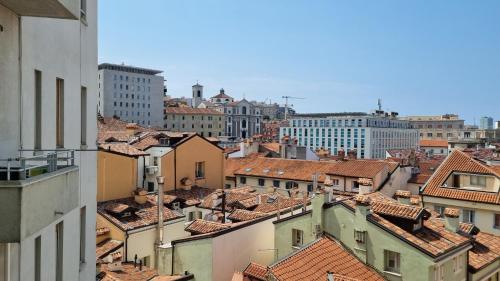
<point>126,246</point>
<point>175,168</point>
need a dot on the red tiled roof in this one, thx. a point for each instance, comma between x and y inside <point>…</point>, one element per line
<point>192,196</point>
<point>129,272</point>
<point>458,161</point>
<point>199,226</point>
<point>316,259</point>
<point>434,143</point>
<point>191,110</point>
<point>256,271</point>
<point>486,250</point>
<point>122,148</point>
<point>271,146</point>
<point>244,215</point>
<point>397,210</point>
<point>145,215</point>
<point>106,247</point>
<point>426,170</point>
<point>302,170</point>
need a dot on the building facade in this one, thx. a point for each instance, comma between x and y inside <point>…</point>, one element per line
<point>204,121</point>
<point>370,135</point>
<point>486,123</point>
<point>48,88</point>
<point>440,127</point>
<point>131,93</point>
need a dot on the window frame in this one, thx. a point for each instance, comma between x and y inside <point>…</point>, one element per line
<point>388,256</point>
<point>297,238</point>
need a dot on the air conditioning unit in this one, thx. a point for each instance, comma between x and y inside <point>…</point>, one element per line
<point>151,170</point>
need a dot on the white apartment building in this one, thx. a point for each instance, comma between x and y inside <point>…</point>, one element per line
<point>371,135</point>
<point>48,94</point>
<point>131,93</point>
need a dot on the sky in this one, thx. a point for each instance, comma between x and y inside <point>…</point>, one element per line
<point>420,57</point>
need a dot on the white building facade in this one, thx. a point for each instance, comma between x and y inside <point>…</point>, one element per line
<point>133,94</point>
<point>369,134</point>
<point>48,93</point>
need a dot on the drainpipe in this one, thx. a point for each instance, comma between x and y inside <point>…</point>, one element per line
<point>126,246</point>
<point>223,206</point>
<point>143,171</point>
<point>20,59</point>
<point>175,168</point>
<point>159,230</point>
<point>172,270</point>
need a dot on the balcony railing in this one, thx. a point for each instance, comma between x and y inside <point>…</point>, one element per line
<point>47,161</point>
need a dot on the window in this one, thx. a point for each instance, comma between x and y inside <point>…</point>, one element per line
<point>243,180</point>
<point>478,181</point>
<point>359,236</point>
<point>355,185</point>
<point>310,187</point>
<point>439,209</point>
<point>468,216</point>
<point>496,221</point>
<point>83,117</point>
<point>151,186</point>
<point>276,183</point>
<point>290,184</point>
<point>335,182</point>
<point>38,258</point>
<point>59,113</point>
<point>391,261</point>
<point>59,250</point>
<point>38,110</point>
<point>194,215</point>
<point>200,170</point>
<point>297,237</point>
<point>83,222</point>
<point>262,182</point>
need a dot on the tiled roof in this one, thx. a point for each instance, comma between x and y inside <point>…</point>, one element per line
<point>434,143</point>
<point>232,195</point>
<point>106,247</point>
<point>486,250</point>
<point>316,259</point>
<point>122,148</point>
<point>199,226</point>
<point>234,164</point>
<point>397,210</point>
<point>191,110</point>
<point>271,146</point>
<point>101,231</point>
<point>149,139</point>
<point>302,170</point>
<point>273,202</point>
<point>109,127</point>
<point>426,170</point>
<point>145,215</point>
<point>129,272</point>
<point>238,215</point>
<point>458,161</point>
<point>221,96</point>
<point>256,271</point>
<point>192,196</point>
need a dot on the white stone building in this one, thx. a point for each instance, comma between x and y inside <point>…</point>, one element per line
<point>371,135</point>
<point>48,93</point>
<point>132,93</point>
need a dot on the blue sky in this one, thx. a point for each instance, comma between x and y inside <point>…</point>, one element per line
<point>419,57</point>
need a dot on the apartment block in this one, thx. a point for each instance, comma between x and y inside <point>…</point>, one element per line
<point>204,121</point>
<point>370,135</point>
<point>131,93</point>
<point>438,127</point>
<point>48,88</point>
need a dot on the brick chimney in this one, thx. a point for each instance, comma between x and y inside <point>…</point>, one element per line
<point>341,154</point>
<point>362,204</point>
<point>131,129</point>
<point>352,154</point>
<point>451,219</point>
<point>403,196</point>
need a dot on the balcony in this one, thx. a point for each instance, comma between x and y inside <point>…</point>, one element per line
<point>65,9</point>
<point>36,191</point>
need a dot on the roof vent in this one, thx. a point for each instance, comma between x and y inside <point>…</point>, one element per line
<point>266,170</point>
<point>280,172</point>
<point>248,169</point>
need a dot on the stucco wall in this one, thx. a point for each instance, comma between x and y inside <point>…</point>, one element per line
<point>283,233</point>
<point>117,176</point>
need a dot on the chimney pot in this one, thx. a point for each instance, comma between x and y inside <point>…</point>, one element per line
<point>403,196</point>
<point>451,219</point>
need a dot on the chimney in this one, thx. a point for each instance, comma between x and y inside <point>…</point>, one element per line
<point>317,212</point>
<point>131,129</point>
<point>403,196</point>
<point>341,154</point>
<point>365,186</point>
<point>330,276</point>
<point>451,219</point>
<point>159,229</point>
<point>352,154</point>
<point>140,196</point>
<point>259,199</point>
<point>362,204</point>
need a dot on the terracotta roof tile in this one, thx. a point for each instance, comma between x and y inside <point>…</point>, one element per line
<point>122,148</point>
<point>200,226</point>
<point>256,271</point>
<point>434,143</point>
<point>129,272</point>
<point>192,196</point>
<point>271,146</point>
<point>397,210</point>
<point>106,247</point>
<point>239,215</point>
<point>314,261</point>
<point>486,250</point>
<point>459,161</point>
<point>145,214</point>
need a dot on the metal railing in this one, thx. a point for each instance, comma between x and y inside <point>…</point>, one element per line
<point>47,161</point>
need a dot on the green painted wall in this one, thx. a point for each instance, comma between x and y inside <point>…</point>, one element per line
<point>283,233</point>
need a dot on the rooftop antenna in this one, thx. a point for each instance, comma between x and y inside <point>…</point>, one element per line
<point>379,104</point>
<point>286,104</point>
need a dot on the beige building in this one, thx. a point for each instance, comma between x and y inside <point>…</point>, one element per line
<point>469,185</point>
<point>205,121</point>
<point>438,126</point>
